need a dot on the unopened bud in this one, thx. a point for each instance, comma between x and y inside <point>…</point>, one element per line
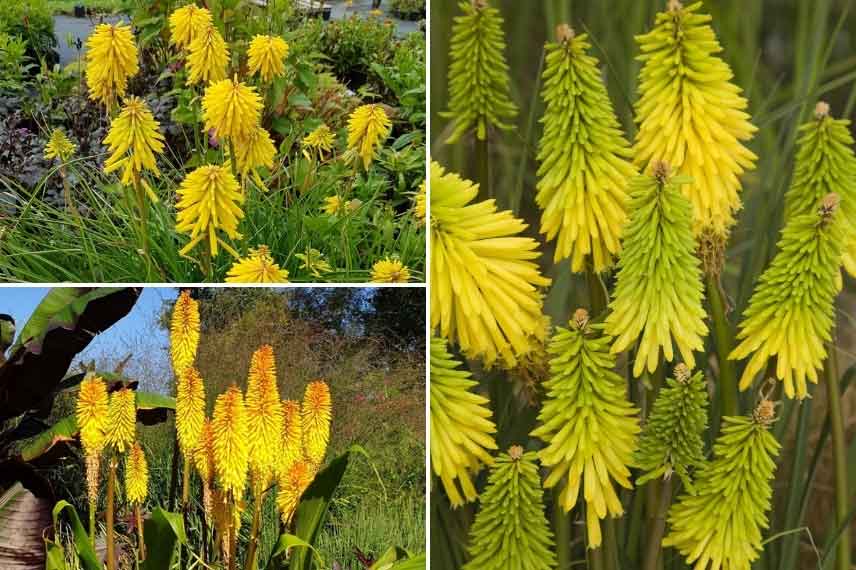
<point>515,452</point>
<point>581,318</point>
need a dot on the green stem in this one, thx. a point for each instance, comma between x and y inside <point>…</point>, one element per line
<point>111,491</point>
<point>724,342</point>
<point>482,157</point>
<point>652,554</point>
<point>233,538</point>
<point>597,293</point>
<point>562,528</point>
<point>631,548</point>
<point>185,484</point>
<point>144,222</point>
<point>610,544</point>
<point>839,454</point>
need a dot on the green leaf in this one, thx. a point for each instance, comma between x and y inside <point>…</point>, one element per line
<point>287,541</point>
<point>298,99</point>
<point>163,530</point>
<point>151,409</point>
<point>313,507</point>
<point>387,560</point>
<point>82,545</point>
<point>63,430</point>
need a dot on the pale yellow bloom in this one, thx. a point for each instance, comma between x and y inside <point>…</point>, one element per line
<point>368,128</point>
<point>266,55</point>
<point>257,267</point>
<point>187,23</point>
<point>390,270</point>
<point>208,58</point>
<point>111,58</point>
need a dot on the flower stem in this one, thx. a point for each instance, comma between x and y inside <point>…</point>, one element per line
<point>111,491</point>
<point>482,158</point>
<point>562,529</point>
<point>142,541</point>
<point>653,550</point>
<point>185,484</point>
<point>724,342</point>
<point>839,454</point>
<point>92,506</point>
<point>254,531</point>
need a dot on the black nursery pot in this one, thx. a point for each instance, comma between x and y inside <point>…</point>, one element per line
<point>326,13</point>
<point>80,11</point>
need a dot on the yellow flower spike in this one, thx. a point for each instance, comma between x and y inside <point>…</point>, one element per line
<point>390,270</point>
<point>184,332</point>
<point>134,140</point>
<point>320,140</point>
<point>584,158</point>
<point>231,433</point>
<point>586,406</point>
<point>189,409</point>
<point>122,420</point>
<point>266,55</point>
<point>292,435</point>
<point>91,414</point>
<point>187,23</point>
<point>232,109</point>
<point>208,57</point>
<point>210,199</point>
<point>316,415</point>
<point>484,281</point>
<point>419,203</point>
<point>691,115</point>
<point>59,146</point>
<point>264,415</point>
<point>461,426</point>
<point>111,58</point>
<point>136,475</point>
<point>291,487</point>
<point>92,409</point>
<point>255,150</point>
<point>257,267</point>
<point>368,128</point>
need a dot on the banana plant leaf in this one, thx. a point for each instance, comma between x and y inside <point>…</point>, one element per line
<point>63,324</point>
<point>25,518</point>
<point>152,408</point>
<point>162,530</point>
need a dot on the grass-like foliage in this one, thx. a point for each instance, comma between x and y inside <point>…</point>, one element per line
<point>318,169</point>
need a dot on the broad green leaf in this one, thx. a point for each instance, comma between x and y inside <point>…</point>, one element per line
<point>287,541</point>
<point>163,530</point>
<point>313,506</point>
<point>151,409</point>
<point>82,545</point>
<point>388,559</point>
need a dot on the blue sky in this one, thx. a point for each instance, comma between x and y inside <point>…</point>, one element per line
<point>137,333</point>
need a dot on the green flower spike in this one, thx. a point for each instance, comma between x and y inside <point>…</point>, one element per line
<point>510,531</point>
<point>588,423</point>
<point>825,163</point>
<point>672,439</point>
<point>691,115</point>
<point>461,428</point>
<point>658,296</point>
<point>478,74</point>
<point>720,526</point>
<point>791,313</point>
<point>584,157</point>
